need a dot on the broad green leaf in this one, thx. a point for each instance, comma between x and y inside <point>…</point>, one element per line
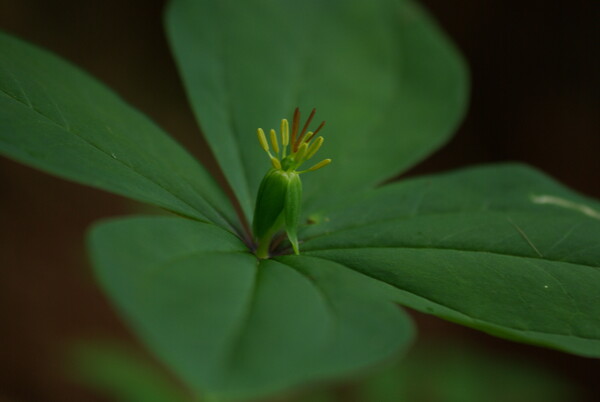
<point>232,326</point>
<point>503,249</point>
<point>58,119</point>
<point>390,85</point>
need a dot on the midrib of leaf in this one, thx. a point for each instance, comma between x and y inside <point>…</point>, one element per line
<point>331,310</point>
<point>465,315</point>
<point>66,127</point>
<point>326,299</point>
<point>247,211</point>
<point>235,343</point>
<point>401,247</point>
<point>505,213</point>
<point>374,223</point>
<point>236,338</point>
<point>158,268</point>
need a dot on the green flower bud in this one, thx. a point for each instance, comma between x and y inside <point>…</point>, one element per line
<point>279,199</point>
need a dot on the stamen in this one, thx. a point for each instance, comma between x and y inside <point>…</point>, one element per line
<point>285,132</point>
<point>295,123</point>
<point>262,139</point>
<point>285,135</point>
<point>314,148</point>
<point>312,114</point>
<point>273,135</point>
<point>301,152</point>
<point>316,131</point>
<point>302,146</point>
<point>275,162</point>
<point>319,165</point>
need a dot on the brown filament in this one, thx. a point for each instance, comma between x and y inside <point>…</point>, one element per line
<point>315,132</point>
<point>295,123</point>
<point>312,114</point>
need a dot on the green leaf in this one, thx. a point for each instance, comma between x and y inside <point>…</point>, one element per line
<point>58,119</point>
<point>503,249</point>
<point>232,326</point>
<point>390,85</point>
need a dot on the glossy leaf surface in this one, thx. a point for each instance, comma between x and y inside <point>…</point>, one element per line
<point>58,119</point>
<point>230,325</point>
<point>388,82</point>
<point>503,249</point>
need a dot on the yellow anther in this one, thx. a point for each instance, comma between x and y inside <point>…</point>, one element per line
<point>262,139</point>
<point>314,147</point>
<point>285,133</point>
<point>319,165</point>
<point>275,162</point>
<point>274,142</point>
<point>308,137</point>
<point>301,143</point>
<point>285,136</point>
<point>301,152</point>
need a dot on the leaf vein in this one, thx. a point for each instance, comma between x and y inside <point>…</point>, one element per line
<point>68,129</point>
<point>466,316</point>
<point>308,251</point>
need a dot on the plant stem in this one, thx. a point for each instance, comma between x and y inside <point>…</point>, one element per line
<point>263,247</point>
<point>264,243</point>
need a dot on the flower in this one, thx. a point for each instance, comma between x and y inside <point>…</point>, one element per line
<point>280,192</point>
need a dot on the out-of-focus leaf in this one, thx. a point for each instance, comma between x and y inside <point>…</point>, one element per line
<point>455,373</point>
<point>390,85</point>
<point>117,372</point>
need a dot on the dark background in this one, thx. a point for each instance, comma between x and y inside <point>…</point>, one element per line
<point>535,98</point>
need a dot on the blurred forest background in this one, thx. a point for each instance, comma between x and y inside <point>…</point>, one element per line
<point>535,98</point>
